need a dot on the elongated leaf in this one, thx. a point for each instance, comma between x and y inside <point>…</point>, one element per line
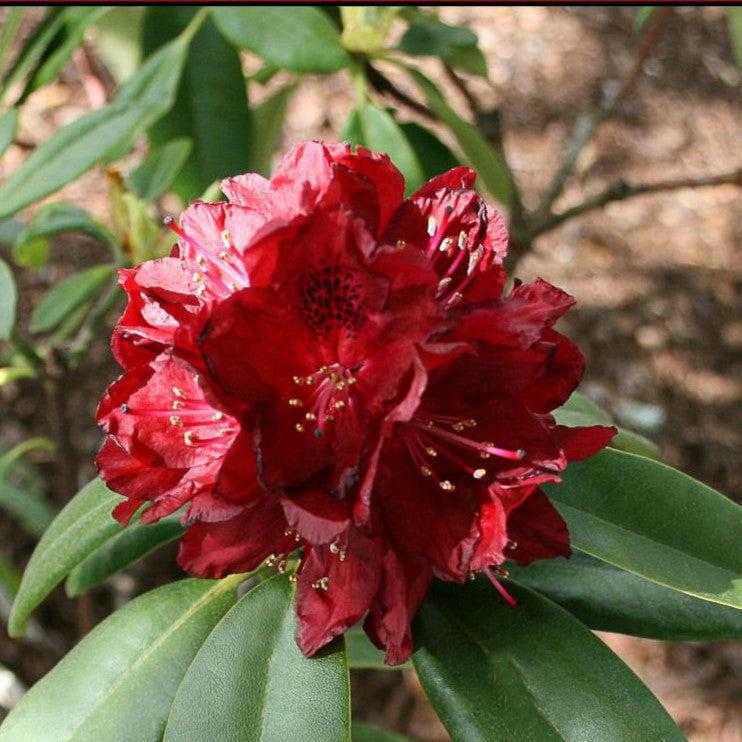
<point>491,165</point>
<point>211,104</point>
<point>82,525</point>
<point>8,299</point>
<point>581,410</point>
<point>301,38</point>
<point>434,156</point>
<point>75,148</point>
<point>250,682</point>
<point>66,296</point>
<point>118,40</point>
<point>530,672</point>
<point>124,549</point>
<point>154,176</point>
<point>57,218</point>
<point>609,599</point>
<point>647,518</point>
<point>362,732</point>
<point>11,22</point>
<point>734,20</point>
<point>376,129</point>
<point>268,120</point>
<point>8,126</point>
<point>118,683</point>
<point>362,655</point>
<point>29,508</point>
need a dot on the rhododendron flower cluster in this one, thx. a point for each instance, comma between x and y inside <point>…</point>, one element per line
<point>330,379</point>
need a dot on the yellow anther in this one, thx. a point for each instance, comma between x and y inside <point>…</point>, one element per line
<point>295,403</point>
<point>472,576</point>
<point>401,244</point>
<point>177,392</point>
<point>298,380</point>
<point>339,405</point>
<point>310,416</point>
<point>197,277</point>
<point>270,560</point>
<point>479,473</point>
<point>299,428</point>
<point>351,380</point>
<point>447,486</point>
<point>432,226</point>
<point>201,261</point>
<point>293,577</point>
<point>328,419</point>
<point>340,385</point>
<point>462,239</point>
<point>223,255</point>
<point>231,285</point>
<point>470,423</point>
<point>217,416</point>
<point>512,545</point>
<point>431,452</point>
<point>445,244</point>
<point>226,239</point>
<point>426,471</point>
<point>177,405</point>
<point>288,531</point>
<point>322,584</point>
<point>188,438</point>
<point>458,427</point>
<point>444,282</point>
<point>282,566</point>
<point>175,420</point>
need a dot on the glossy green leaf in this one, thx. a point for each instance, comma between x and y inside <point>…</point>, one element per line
<point>157,172</point>
<point>654,521</point>
<point>80,528</point>
<point>67,295</point>
<point>434,156</point>
<point>125,548</point>
<point>29,508</point>
<point>250,682</point>
<point>8,299</point>
<point>8,126</point>
<point>300,38</point>
<point>609,599</point>
<point>489,164</point>
<point>211,104</point>
<point>376,129</point>
<point>362,732</point>
<point>75,148</point>
<point>118,683</point>
<point>581,410</point>
<point>268,120</point>
<point>734,21</point>
<point>362,655</point>
<point>530,672</point>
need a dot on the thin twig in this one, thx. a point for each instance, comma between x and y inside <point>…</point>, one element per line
<point>463,88</point>
<point>587,124</point>
<point>621,190</point>
<point>382,84</point>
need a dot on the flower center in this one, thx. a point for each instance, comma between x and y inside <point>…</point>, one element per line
<point>329,397</point>
<point>429,440</point>
<point>331,298</point>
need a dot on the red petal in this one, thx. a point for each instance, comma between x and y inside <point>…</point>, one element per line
<point>538,530</point>
<point>581,443</point>
<point>317,516</point>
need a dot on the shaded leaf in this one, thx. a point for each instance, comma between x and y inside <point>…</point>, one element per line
<point>210,106</point>
<point>362,732</point>
<point>734,21</point>
<point>434,156</point>
<point>268,120</point>
<point>654,521</point>
<point>609,599</point>
<point>300,38</point>
<point>81,526</point>
<point>57,218</point>
<point>8,299</point>
<point>250,682</point>
<point>157,172</point>
<point>529,672</point>
<point>118,683</point>
<point>8,127</point>
<point>363,655</point>
<point>67,296</point>
<point>118,40</point>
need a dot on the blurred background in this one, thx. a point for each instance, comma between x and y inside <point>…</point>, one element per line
<point>657,277</point>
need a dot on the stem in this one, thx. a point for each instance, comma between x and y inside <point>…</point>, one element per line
<point>588,123</point>
<point>621,190</point>
<point>382,84</point>
<point>463,88</point>
<point>192,28</point>
<point>27,351</point>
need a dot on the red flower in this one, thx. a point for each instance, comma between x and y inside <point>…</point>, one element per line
<point>322,368</point>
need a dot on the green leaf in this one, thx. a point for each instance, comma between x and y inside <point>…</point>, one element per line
<point>643,15</point>
<point>491,165</point>
<point>300,38</point>
<point>80,528</point>
<point>362,655</point>
<point>157,172</point>
<point>57,218</point>
<point>211,104</point>
<point>365,28</point>
<point>8,299</point>
<point>250,682</point>
<point>362,732</point>
<point>580,410</point>
<point>22,489</point>
<point>434,156</point>
<point>118,40</point>
<point>31,253</point>
<point>8,127</point>
<point>118,683</point>
<point>376,129</point>
<point>268,120</point>
<point>75,148</point>
<point>609,599</point>
<point>66,296</point>
<point>471,59</point>
<point>11,23</point>
<point>75,21</point>
<point>10,579</point>
<point>654,521</point>
<point>734,21</point>
<point>530,672</point>
<point>125,548</point>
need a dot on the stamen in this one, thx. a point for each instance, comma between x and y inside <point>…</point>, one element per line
<point>500,589</point>
<point>295,403</point>
<point>322,584</point>
<point>446,243</point>
<point>432,226</point>
<point>431,452</point>
<point>299,428</point>
<point>426,471</point>
<point>462,240</point>
<point>177,392</point>
<point>479,473</point>
<point>447,486</point>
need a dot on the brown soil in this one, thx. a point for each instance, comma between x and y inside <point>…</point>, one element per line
<point>656,279</point>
